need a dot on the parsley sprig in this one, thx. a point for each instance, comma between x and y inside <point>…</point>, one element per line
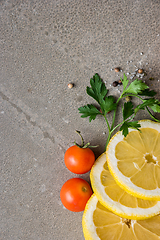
<point>137,88</point>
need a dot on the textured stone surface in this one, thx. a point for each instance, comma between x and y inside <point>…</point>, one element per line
<point>44,46</point>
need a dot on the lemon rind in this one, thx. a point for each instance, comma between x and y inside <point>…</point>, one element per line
<point>89,229</point>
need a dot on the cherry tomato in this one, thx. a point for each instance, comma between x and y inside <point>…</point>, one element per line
<point>75,193</point>
<point>79,160</point>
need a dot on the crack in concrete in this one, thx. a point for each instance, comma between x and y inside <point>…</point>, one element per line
<point>46,135</point>
<point>28,118</point>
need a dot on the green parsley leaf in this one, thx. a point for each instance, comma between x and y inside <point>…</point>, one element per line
<point>136,87</point>
<point>124,82</point>
<point>126,125</point>
<point>148,93</point>
<point>155,107</point>
<point>153,103</point>
<point>124,129</point>
<point>89,111</point>
<point>98,89</point>
<point>127,110</point>
<point>109,104</point>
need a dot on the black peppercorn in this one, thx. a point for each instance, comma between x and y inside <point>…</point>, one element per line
<point>115,83</point>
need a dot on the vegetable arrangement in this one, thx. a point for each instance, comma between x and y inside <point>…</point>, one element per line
<point>79,159</point>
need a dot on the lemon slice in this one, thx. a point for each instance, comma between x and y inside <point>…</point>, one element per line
<point>134,160</point>
<point>101,224</point>
<point>115,198</point>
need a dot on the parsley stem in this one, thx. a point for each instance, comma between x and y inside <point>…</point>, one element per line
<point>122,123</point>
<point>152,115</point>
<point>114,114</point>
<point>108,139</point>
<point>117,126</point>
<point>107,123</point>
<point>112,130</point>
<point>109,130</point>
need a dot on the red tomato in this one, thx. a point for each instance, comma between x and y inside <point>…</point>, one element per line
<point>75,193</point>
<point>79,160</point>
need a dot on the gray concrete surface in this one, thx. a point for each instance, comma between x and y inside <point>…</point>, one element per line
<point>44,46</point>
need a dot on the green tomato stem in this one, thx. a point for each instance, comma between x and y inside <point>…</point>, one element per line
<point>82,144</point>
<point>87,145</point>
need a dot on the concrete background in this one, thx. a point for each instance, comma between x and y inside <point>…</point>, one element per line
<point>44,46</point>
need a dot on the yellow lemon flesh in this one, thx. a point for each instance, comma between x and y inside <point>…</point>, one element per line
<point>134,161</point>
<point>101,224</point>
<point>116,199</point>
